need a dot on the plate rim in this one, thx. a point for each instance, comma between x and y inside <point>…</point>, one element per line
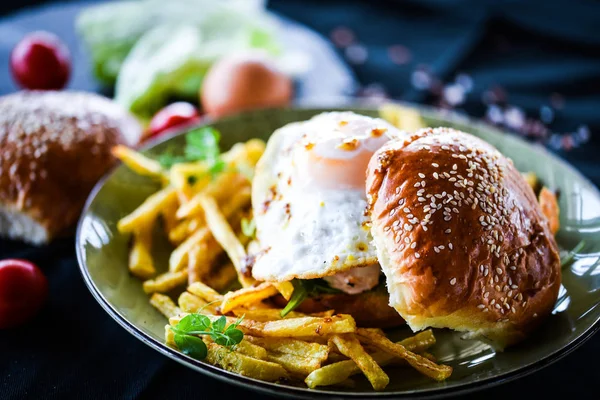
<point>302,392</point>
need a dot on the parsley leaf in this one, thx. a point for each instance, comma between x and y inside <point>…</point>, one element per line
<point>201,144</point>
<point>193,325</point>
<point>192,346</point>
<point>304,288</point>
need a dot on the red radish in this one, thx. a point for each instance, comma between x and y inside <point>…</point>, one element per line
<point>176,114</point>
<point>41,61</point>
<point>23,291</point>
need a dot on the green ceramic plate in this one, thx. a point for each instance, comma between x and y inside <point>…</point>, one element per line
<point>102,254</point>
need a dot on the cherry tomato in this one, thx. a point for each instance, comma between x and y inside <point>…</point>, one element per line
<point>41,61</point>
<point>23,291</point>
<point>176,114</point>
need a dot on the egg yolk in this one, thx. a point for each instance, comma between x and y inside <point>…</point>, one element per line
<point>337,163</point>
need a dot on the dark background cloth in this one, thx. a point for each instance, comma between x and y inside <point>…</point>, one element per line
<point>524,61</point>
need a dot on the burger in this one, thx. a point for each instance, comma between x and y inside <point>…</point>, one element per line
<point>435,228</point>
<point>461,237</point>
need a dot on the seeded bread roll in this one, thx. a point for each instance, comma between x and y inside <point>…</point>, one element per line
<point>54,146</point>
<point>461,238</point>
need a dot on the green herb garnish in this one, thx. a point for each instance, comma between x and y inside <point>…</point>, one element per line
<point>201,144</point>
<point>304,288</point>
<point>568,259</point>
<point>248,227</point>
<point>193,325</point>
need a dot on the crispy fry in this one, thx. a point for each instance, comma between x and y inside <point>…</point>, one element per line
<point>221,277</point>
<point>285,288</point>
<point>404,118</point>
<point>141,263</point>
<point>179,256</point>
<point>168,215</point>
<point>193,304</point>
<point>549,205</point>
<point>420,363</point>
<point>296,365</point>
<point>252,350</point>
<point>224,189</point>
<point>180,175</point>
<point>165,282</point>
<point>268,314</point>
<point>302,327</point>
<point>349,346</point>
<point>165,305</point>
<point>295,347</point>
<point>139,163</point>
<point>341,370</point>
<point>204,292</point>
<point>222,231</point>
<point>148,210</point>
<point>244,365</point>
<point>181,231</point>
<point>246,296</point>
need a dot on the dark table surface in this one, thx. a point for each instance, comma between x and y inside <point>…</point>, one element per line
<point>532,66</point>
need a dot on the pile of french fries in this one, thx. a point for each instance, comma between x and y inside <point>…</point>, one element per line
<point>201,217</point>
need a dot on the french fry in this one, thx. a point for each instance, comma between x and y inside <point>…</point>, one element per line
<point>549,205</point>
<point>238,197</point>
<point>141,263</point>
<point>201,259</point>
<point>190,303</point>
<point>165,282</point>
<point>295,365</point>
<point>179,256</point>
<point>222,231</point>
<point>148,210</point>
<point>349,346</point>
<point>403,118</point>
<point>168,214</point>
<point>179,176</point>
<point>206,293</point>
<point>244,365</point>
<point>285,289</point>
<point>180,231</point>
<point>221,277</point>
<point>302,327</point>
<point>139,163</point>
<point>296,347</point>
<point>341,370</point>
<point>165,305</point>
<point>267,314</point>
<point>420,363</point>
<point>246,296</point>
<point>252,350</point>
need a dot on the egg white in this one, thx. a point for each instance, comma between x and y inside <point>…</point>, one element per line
<point>305,230</point>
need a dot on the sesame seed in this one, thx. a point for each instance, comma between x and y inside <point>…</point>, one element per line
<point>447,231</point>
<point>486,272</point>
<point>492,302</point>
<point>454,167</point>
<point>421,175</point>
<point>535,315</point>
<point>406,240</point>
<point>486,295</point>
<point>441,247</point>
<point>498,289</point>
<point>413,245</point>
<point>497,306</point>
<point>422,199</point>
<point>481,268</point>
<point>406,210</point>
<point>435,165</point>
<point>453,281</point>
<point>481,306</point>
<point>499,271</point>
<point>514,287</point>
<point>436,176</point>
<point>512,267</point>
<point>418,184</point>
<point>513,310</point>
<point>436,249</point>
<point>417,255</point>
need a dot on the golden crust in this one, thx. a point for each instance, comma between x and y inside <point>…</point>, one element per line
<point>460,236</point>
<point>54,146</point>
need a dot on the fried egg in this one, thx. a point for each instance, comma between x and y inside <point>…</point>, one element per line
<point>308,196</point>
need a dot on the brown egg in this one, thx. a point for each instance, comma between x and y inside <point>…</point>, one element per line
<point>244,82</point>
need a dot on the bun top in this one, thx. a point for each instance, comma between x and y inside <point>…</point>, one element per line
<point>54,146</point>
<point>461,237</point>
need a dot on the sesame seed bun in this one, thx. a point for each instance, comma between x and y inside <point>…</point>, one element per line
<point>461,238</point>
<point>54,146</point>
